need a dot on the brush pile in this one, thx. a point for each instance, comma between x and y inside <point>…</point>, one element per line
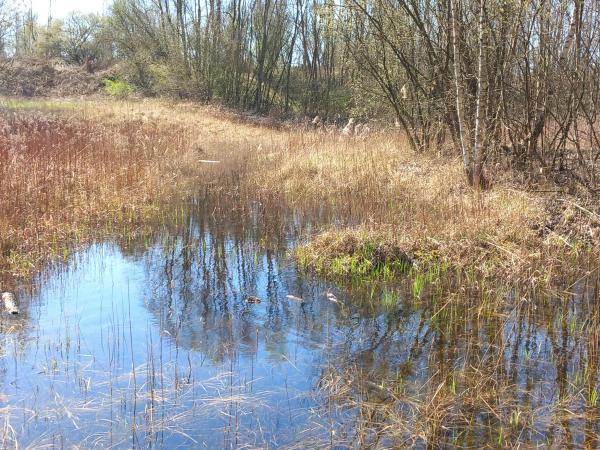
<point>41,78</point>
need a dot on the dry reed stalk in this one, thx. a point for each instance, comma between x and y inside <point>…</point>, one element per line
<point>120,163</point>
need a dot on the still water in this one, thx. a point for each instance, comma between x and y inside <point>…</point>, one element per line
<point>151,343</point>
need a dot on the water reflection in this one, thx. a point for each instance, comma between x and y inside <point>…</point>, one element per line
<point>151,343</point>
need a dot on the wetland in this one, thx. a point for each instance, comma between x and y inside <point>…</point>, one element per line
<point>391,307</point>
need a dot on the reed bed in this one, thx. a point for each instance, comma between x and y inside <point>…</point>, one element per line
<point>112,166</point>
<point>71,172</point>
<point>66,179</point>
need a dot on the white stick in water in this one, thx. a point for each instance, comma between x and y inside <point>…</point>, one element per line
<point>331,297</point>
<point>296,299</point>
<point>10,304</point>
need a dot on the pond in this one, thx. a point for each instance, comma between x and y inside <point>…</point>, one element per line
<point>152,343</point>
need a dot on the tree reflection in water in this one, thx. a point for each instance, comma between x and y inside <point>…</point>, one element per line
<point>465,365</point>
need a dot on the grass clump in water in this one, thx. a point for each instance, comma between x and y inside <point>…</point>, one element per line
<point>372,254</point>
<point>354,255</point>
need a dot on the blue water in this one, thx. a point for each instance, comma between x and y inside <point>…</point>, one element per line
<point>152,344</point>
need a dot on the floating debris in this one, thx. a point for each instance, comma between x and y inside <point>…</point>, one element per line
<point>10,304</point>
<point>296,299</point>
<point>252,299</point>
<point>332,298</point>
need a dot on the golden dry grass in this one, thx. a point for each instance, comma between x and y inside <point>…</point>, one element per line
<point>420,205</point>
<point>120,161</point>
<point>65,178</point>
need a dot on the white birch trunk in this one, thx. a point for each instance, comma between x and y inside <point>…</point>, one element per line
<point>477,150</point>
<point>463,148</point>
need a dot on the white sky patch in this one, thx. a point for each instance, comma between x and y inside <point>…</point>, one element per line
<point>62,8</point>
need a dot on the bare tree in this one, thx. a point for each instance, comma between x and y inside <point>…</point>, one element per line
<point>81,42</point>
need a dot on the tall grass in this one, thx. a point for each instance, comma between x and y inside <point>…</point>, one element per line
<point>65,179</point>
<point>110,165</point>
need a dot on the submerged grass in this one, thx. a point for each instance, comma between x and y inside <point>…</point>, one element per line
<point>478,371</point>
<point>117,406</point>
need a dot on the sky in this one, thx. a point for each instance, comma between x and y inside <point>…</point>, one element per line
<point>62,8</point>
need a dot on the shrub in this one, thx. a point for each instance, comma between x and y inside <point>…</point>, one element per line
<point>118,88</point>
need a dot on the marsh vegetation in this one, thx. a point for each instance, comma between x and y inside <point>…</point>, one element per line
<point>397,305</point>
<point>300,224</point>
